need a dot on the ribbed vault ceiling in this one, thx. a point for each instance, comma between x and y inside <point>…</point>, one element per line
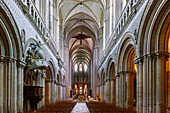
<point>81,17</point>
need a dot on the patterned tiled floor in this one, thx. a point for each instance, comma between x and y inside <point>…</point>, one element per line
<point>80,108</point>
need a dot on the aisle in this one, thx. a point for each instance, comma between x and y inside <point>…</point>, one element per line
<point>80,108</point>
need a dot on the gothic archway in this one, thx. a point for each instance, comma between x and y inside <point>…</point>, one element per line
<point>153,57</point>
<point>11,64</point>
<point>127,72</point>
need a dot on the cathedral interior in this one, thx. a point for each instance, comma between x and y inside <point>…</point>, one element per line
<point>111,56</point>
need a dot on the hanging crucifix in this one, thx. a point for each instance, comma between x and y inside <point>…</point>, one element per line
<point>81,37</point>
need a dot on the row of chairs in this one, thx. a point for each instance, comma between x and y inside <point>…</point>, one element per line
<point>102,107</point>
<point>58,107</point>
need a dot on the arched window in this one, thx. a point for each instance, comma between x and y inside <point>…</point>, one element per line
<point>75,68</point>
<point>80,67</point>
<point>85,67</point>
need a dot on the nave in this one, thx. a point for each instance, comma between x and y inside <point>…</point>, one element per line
<point>114,52</point>
<point>80,108</point>
<point>76,106</point>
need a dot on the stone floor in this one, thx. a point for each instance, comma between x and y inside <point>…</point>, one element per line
<point>80,108</point>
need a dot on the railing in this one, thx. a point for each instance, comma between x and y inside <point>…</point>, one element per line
<point>120,25</point>
<point>125,15</point>
<point>32,10</point>
<point>40,24</point>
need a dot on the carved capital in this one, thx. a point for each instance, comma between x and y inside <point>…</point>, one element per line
<point>2,59</point>
<point>8,59</point>
<point>151,55</point>
<point>117,75</point>
<point>138,60</point>
<point>21,64</point>
<point>161,55</point>
<point>122,72</point>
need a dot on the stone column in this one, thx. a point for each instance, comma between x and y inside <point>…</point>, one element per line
<point>117,90</point>
<point>51,18</point>
<point>20,86</point>
<point>145,84</point>
<point>13,86</point>
<point>168,90</point>
<point>9,63</point>
<point>98,90</point>
<point>95,58</point>
<point>68,75</point>
<point>55,4</point>
<point>120,89</point>
<point>50,91</point>
<point>47,13</point>
<point>61,40</point>
<point>129,89</point>
<point>64,92</point>
<point>56,92</point>
<point>55,89</point>
<point>139,63</point>
<point>151,83</point>
<point>101,95</point>
<point>113,91</point>
<point>160,74</point>
<point>108,91</point>
<point>14,94</point>
<point>103,92</point>
<point>53,92</point>
<point>124,89</point>
<point>101,40</point>
<point>12,74</point>
<point>61,91</point>
<point>1,82</point>
<point>5,86</point>
<point>59,98</point>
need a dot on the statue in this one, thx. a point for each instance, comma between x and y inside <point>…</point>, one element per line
<point>34,61</point>
<point>34,52</point>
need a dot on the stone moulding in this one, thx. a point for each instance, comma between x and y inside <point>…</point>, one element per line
<point>25,11</point>
<point>14,25</point>
<point>115,38</point>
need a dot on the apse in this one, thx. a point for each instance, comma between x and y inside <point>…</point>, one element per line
<point>80,52</point>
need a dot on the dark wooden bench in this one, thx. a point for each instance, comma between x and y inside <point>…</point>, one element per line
<point>58,107</point>
<point>102,107</point>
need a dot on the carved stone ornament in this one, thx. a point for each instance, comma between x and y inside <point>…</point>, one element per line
<point>34,58</point>
<point>136,35</point>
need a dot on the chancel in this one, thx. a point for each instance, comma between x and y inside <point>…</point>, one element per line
<point>93,56</point>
